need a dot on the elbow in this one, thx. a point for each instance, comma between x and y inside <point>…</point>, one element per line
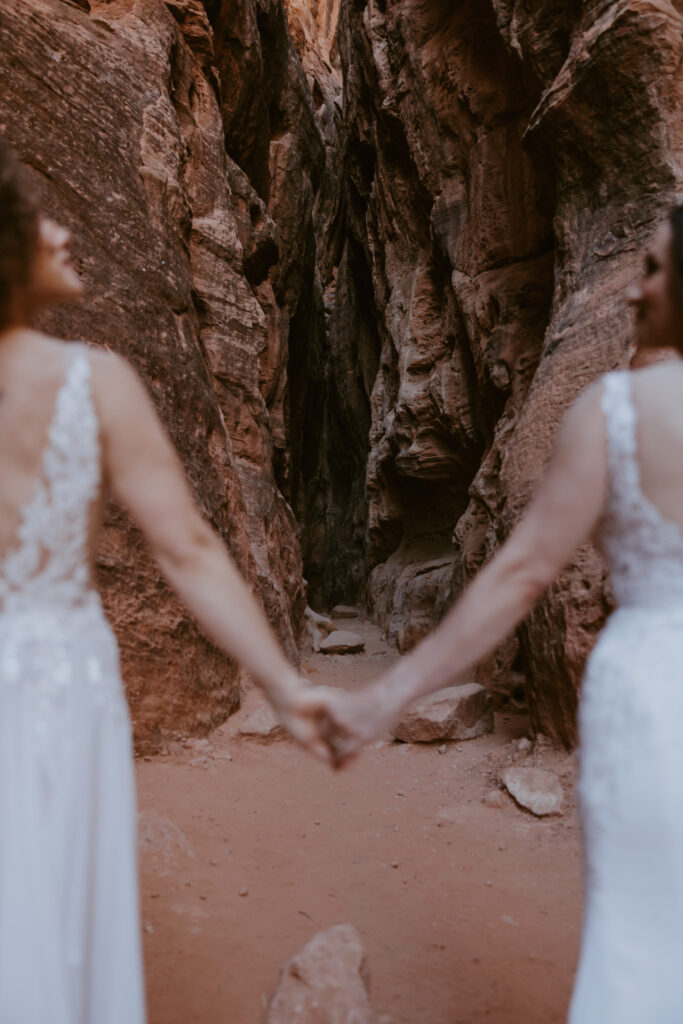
<point>528,577</point>
<point>183,549</point>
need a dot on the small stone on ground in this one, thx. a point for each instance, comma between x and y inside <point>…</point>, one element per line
<point>342,641</point>
<point>263,725</point>
<point>497,798</point>
<point>534,789</point>
<point>325,983</point>
<point>344,611</point>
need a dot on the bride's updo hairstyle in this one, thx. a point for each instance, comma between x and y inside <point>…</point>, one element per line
<point>18,230</point>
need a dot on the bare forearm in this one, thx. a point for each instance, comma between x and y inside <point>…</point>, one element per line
<point>212,588</point>
<point>490,608</point>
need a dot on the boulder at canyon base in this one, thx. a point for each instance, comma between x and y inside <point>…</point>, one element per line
<point>456,713</point>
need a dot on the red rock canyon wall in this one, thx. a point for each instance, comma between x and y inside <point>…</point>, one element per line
<point>365,253</point>
<point>507,163</point>
<point>117,111</point>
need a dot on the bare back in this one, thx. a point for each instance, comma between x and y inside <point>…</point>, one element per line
<point>50,470</point>
<point>658,399</point>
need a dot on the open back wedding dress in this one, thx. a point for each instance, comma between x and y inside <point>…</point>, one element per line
<point>69,931</point>
<point>631,775</point>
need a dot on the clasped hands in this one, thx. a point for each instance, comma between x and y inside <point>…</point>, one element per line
<point>335,725</point>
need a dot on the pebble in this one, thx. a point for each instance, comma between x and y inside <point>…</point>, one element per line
<point>496,798</point>
<point>534,789</point>
<point>342,641</point>
<point>344,611</point>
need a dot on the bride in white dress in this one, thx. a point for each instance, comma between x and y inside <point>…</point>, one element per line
<point>616,476</point>
<point>74,422</point>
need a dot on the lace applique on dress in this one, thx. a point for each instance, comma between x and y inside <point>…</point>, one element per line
<point>644,550</point>
<point>631,768</point>
<point>50,562</point>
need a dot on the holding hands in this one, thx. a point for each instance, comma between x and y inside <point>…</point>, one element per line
<point>335,725</point>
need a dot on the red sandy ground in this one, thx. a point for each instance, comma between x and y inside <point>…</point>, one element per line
<point>468,913</point>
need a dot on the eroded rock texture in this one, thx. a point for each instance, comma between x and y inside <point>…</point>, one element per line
<point>365,253</point>
<point>507,163</point>
<point>117,109</point>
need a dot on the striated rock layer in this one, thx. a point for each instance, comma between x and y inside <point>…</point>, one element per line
<point>364,253</point>
<point>506,164</point>
<point>115,105</point>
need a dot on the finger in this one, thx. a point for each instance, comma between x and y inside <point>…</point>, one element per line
<point>343,749</point>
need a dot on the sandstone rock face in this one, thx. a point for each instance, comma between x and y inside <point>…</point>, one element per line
<point>364,253</point>
<point>282,117</point>
<point>317,626</point>
<point>326,983</point>
<point>117,111</point>
<point>456,713</point>
<point>508,160</point>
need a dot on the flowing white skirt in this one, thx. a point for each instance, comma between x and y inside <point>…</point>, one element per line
<point>631,796</point>
<point>69,921</point>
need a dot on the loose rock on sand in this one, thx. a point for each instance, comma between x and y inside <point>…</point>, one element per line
<point>344,611</point>
<point>535,789</point>
<point>263,725</point>
<point>342,641</point>
<point>456,713</point>
<point>327,982</point>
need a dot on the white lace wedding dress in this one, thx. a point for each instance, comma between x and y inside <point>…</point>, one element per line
<point>69,931</point>
<point>631,775</point>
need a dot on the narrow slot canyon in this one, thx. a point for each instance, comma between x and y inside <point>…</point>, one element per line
<point>364,255</point>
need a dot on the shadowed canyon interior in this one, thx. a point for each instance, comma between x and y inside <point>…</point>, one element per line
<point>364,253</point>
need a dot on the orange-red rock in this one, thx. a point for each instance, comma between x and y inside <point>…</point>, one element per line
<point>507,163</point>
<point>365,254</point>
<point>117,112</point>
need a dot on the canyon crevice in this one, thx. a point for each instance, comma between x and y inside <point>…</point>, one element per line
<point>364,253</point>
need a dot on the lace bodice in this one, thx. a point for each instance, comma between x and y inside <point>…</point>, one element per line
<point>48,564</point>
<point>631,763</point>
<point>644,550</point>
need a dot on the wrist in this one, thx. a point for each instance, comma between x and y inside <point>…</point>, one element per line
<point>399,688</point>
<point>285,691</point>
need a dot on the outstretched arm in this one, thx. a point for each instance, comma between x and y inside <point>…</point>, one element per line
<point>145,475</point>
<point>562,515</point>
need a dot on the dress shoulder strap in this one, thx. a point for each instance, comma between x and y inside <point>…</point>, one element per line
<point>73,444</point>
<point>620,431</point>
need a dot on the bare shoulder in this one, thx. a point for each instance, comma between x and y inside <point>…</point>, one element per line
<point>108,366</point>
<point>41,353</point>
<point>658,394</point>
<point>584,416</point>
<point>117,385</point>
<point>659,378</point>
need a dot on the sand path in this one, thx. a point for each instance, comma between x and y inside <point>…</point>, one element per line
<point>469,913</point>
